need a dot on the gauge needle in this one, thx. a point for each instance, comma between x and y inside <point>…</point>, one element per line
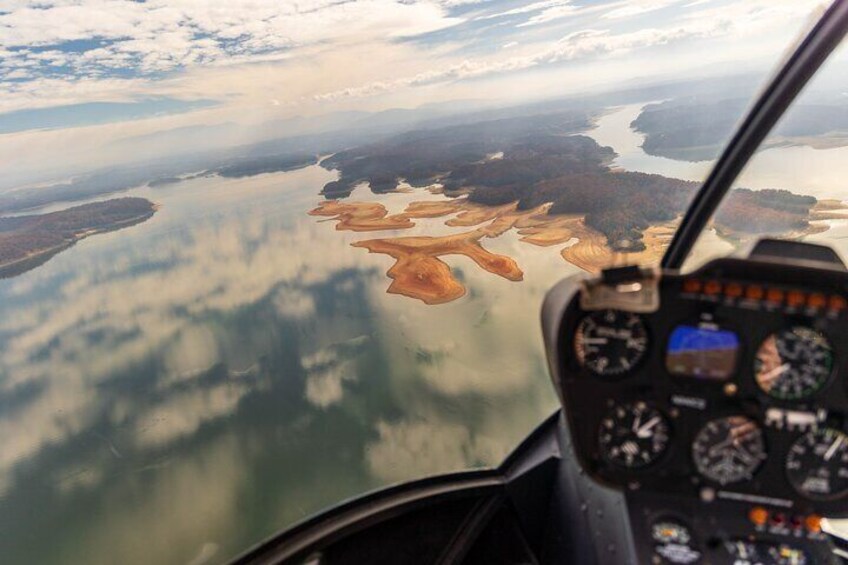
<point>776,372</point>
<point>636,423</point>
<point>832,449</point>
<point>645,430</point>
<point>720,446</point>
<point>595,340</point>
<point>744,456</point>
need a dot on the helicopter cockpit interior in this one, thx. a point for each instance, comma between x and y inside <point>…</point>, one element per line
<point>715,401</point>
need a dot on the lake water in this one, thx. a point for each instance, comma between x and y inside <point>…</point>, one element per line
<point>177,391</point>
<point>801,169</point>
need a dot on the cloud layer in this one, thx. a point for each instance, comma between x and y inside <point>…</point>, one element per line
<point>258,60</point>
<point>57,51</point>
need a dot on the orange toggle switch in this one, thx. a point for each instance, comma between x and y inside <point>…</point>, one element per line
<point>814,523</point>
<point>795,298</point>
<point>733,290</point>
<point>712,287</point>
<point>758,515</point>
<point>816,300</point>
<point>754,292</point>
<point>836,302</point>
<point>774,295</point>
<point>692,285</point>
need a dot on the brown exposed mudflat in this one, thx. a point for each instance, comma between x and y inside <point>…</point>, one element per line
<point>361,216</point>
<point>829,209</point>
<point>591,253</point>
<point>420,273</point>
<point>433,209</point>
<point>373,216</point>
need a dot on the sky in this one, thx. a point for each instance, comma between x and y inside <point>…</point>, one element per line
<point>77,76</point>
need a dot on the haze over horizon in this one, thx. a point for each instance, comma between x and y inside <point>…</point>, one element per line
<point>83,80</point>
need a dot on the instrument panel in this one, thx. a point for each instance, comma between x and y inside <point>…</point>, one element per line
<point>735,388</point>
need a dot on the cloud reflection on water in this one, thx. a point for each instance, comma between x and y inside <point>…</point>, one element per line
<point>250,347</point>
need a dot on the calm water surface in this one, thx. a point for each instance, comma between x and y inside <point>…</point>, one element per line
<point>179,390</point>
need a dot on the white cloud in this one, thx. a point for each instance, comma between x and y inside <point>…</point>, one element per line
<point>184,412</point>
<point>328,369</point>
<point>638,8</point>
<point>294,303</point>
<point>420,448</point>
<point>555,12</point>
<point>324,386</point>
<point>576,45</point>
<point>157,36</point>
<point>160,35</point>
<point>532,7</point>
<point>262,60</point>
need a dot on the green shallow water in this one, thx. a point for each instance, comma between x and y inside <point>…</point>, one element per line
<point>179,390</point>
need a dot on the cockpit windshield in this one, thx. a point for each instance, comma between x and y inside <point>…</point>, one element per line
<point>795,185</point>
<point>260,257</point>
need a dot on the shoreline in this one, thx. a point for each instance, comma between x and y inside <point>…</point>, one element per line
<point>37,258</point>
<point>419,272</point>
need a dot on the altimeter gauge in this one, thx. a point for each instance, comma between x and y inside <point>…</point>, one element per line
<point>817,464</point>
<point>793,364</point>
<point>633,435</point>
<point>610,342</point>
<point>728,450</point>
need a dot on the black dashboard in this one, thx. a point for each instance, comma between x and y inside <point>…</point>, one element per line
<point>716,401</point>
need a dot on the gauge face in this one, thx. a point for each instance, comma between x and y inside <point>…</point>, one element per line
<point>794,363</point>
<point>673,542</point>
<point>670,531</point>
<point>754,553</point>
<point>633,435</point>
<point>610,342</point>
<point>728,450</point>
<point>817,464</point>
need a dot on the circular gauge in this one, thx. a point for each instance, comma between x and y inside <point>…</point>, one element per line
<point>673,542</point>
<point>817,464</point>
<point>760,553</point>
<point>794,363</point>
<point>610,342</point>
<point>633,435</point>
<point>728,450</point>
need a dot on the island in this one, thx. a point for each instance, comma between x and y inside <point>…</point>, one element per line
<point>423,156</point>
<point>251,166</point>
<point>695,129</point>
<point>541,177</point>
<point>29,241</point>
